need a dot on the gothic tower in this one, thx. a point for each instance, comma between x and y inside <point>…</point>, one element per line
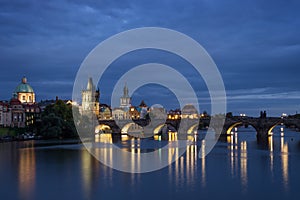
<point>125,100</point>
<point>90,98</point>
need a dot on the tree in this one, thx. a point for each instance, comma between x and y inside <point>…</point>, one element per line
<point>57,121</point>
<point>229,115</point>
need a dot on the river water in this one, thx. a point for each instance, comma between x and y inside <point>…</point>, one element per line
<point>237,168</point>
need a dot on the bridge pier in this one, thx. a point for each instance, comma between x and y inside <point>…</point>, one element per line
<point>262,134</point>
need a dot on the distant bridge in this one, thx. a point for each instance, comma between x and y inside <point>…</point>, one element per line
<point>262,125</point>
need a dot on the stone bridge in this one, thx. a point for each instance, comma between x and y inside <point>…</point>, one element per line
<point>149,127</point>
<point>262,125</point>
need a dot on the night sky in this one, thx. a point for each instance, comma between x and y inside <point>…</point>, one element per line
<point>254,43</point>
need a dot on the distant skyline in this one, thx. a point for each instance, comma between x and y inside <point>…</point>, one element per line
<point>255,45</point>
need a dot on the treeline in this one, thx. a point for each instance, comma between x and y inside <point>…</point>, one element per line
<point>57,121</point>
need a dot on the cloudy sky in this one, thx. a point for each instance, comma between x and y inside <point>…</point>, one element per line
<point>254,43</point>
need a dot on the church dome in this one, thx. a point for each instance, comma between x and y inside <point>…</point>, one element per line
<point>23,87</point>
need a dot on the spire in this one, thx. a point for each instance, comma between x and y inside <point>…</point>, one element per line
<point>143,104</point>
<point>90,85</point>
<point>125,91</point>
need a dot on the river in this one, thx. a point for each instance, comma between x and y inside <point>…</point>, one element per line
<point>238,167</point>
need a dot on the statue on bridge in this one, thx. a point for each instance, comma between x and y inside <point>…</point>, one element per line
<point>263,114</point>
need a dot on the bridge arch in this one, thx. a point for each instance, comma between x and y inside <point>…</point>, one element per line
<point>272,127</point>
<point>127,127</point>
<point>238,123</point>
<point>192,128</point>
<point>229,129</point>
<point>158,128</point>
<point>102,128</point>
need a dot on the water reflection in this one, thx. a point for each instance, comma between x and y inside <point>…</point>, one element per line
<point>203,165</point>
<point>87,172</point>
<point>238,158</point>
<point>182,169</point>
<point>243,166</point>
<point>233,147</point>
<point>131,152</point>
<point>104,138</point>
<point>275,151</point>
<point>284,155</point>
<point>271,154</point>
<point>284,162</point>
<point>27,173</point>
<point>172,136</point>
<point>185,167</point>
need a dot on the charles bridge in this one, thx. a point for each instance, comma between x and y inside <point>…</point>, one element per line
<point>263,125</point>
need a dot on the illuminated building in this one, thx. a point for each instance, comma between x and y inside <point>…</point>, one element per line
<point>189,111</point>
<point>125,100</point>
<point>105,112</point>
<point>21,110</point>
<point>134,113</point>
<point>90,98</point>
<point>142,109</point>
<point>174,114</point>
<point>24,92</point>
<point>120,114</point>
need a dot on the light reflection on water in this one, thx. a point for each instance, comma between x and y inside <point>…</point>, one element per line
<point>27,172</point>
<point>237,164</point>
<point>186,166</point>
<point>284,162</point>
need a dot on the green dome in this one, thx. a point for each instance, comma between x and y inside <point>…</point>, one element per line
<point>24,87</point>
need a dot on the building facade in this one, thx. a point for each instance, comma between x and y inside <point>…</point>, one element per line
<point>21,111</point>
<point>105,112</point>
<point>5,114</point>
<point>18,118</point>
<point>90,99</point>
<point>120,114</point>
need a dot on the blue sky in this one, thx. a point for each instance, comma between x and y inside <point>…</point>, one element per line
<point>255,44</point>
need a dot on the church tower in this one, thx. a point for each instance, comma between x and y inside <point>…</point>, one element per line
<point>90,98</point>
<point>24,92</point>
<point>125,100</point>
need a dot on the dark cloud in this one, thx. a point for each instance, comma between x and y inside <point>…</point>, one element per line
<point>255,44</point>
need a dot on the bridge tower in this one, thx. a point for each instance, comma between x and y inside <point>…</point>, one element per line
<point>90,98</point>
<point>125,100</point>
